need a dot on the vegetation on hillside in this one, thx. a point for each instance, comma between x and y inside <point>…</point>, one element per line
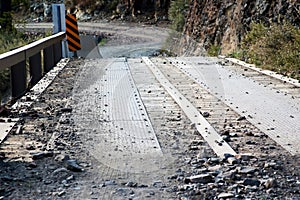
<point>20,4</point>
<point>275,47</point>
<point>177,14</point>
<point>92,4</point>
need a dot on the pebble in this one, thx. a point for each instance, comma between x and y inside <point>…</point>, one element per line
<point>205,114</point>
<point>233,134</point>
<point>109,183</point>
<point>32,165</point>
<point>247,170</point>
<point>270,165</point>
<point>251,182</point>
<point>158,184</point>
<point>232,160</point>
<point>228,175</point>
<point>66,109</point>
<point>225,195</point>
<point>227,155</point>
<point>73,166</point>
<point>59,170</point>
<point>244,157</point>
<point>226,138</point>
<point>270,183</point>
<point>40,155</point>
<point>61,193</point>
<point>201,178</point>
<point>131,184</point>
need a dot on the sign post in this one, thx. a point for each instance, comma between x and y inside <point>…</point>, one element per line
<point>59,20</point>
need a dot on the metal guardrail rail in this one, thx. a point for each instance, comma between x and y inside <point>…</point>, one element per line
<point>41,55</point>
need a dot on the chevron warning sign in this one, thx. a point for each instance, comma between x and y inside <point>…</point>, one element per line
<point>72,33</point>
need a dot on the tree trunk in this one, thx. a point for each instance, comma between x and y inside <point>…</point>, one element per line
<point>5,15</point>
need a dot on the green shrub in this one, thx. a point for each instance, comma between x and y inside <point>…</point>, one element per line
<point>213,50</point>
<point>177,12</point>
<point>276,47</point>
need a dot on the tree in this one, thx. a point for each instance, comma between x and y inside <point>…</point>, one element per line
<point>5,15</point>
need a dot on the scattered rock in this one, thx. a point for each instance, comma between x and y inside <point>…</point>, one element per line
<point>41,155</point>
<point>244,157</point>
<point>32,165</point>
<point>201,178</point>
<point>131,184</point>
<point>2,155</point>
<point>251,182</point>
<point>109,183</point>
<point>225,195</point>
<point>73,166</point>
<point>247,170</point>
<point>227,155</point>
<point>232,160</point>
<point>60,170</point>
<point>241,118</point>
<point>270,183</point>
<point>64,110</point>
<point>30,147</point>
<point>61,193</point>
<point>205,114</point>
<point>270,165</point>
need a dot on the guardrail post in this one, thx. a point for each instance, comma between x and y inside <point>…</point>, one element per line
<point>48,58</point>
<point>35,62</point>
<point>18,79</point>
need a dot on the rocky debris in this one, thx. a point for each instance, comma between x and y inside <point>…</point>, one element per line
<point>72,164</point>
<point>246,178</point>
<point>270,183</point>
<point>224,195</point>
<point>40,155</point>
<point>66,109</point>
<point>241,118</point>
<point>2,155</point>
<point>201,178</point>
<point>205,114</point>
<point>27,159</point>
<point>251,182</point>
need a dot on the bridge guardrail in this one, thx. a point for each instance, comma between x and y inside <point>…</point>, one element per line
<point>42,56</point>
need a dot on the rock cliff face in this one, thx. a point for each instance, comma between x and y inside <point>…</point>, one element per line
<point>91,9</point>
<point>224,23</point>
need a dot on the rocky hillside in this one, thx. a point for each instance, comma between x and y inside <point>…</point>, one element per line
<point>224,23</point>
<point>99,9</point>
